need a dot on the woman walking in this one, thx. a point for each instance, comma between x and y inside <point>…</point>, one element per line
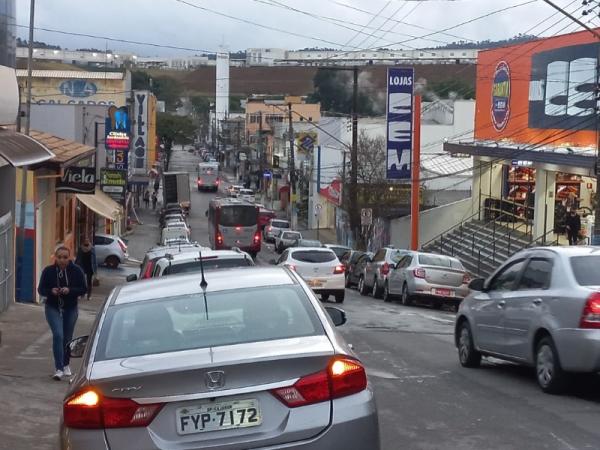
<point>61,284</point>
<point>86,260</point>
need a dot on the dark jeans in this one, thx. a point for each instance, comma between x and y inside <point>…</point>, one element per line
<point>89,278</point>
<point>62,325</point>
<point>572,237</point>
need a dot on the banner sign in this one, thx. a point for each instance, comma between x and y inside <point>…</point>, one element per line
<point>116,129</point>
<point>114,184</point>
<point>80,180</point>
<point>121,159</point>
<point>140,135</point>
<point>399,115</point>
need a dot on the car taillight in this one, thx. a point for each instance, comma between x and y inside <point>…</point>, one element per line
<point>219,238</point>
<point>238,228</point>
<point>200,181</point>
<point>419,273</point>
<point>291,267</point>
<point>257,238</point>
<point>339,269</point>
<point>270,229</point>
<point>385,268</point>
<point>148,272</point>
<point>590,317</point>
<point>342,377</point>
<point>466,278</point>
<point>218,181</point>
<point>122,245</point>
<point>89,410</point>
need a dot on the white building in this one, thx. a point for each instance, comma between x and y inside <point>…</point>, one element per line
<point>74,57</point>
<point>265,56</point>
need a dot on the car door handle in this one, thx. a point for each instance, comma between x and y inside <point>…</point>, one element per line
<point>537,301</point>
<point>501,304</point>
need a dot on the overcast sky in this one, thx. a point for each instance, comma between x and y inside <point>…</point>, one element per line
<point>315,23</point>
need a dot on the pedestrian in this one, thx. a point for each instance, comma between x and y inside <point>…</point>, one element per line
<point>573,226</point>
<point>61,284</point>
<point>154,199</point>
<point>86,260</point>
<point>147,199</point>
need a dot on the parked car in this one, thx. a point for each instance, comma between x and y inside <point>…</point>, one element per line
<point>189,262</point>
<point>307,388</point>
<point>264,216</point>
<point>541,308</point>
<point>339,250</point>
<point>273,229</point>
<point>307,243</point>
<point>172,247</point>
<point>247,194</point>
<point>110,250</point>
<point>178,232</point>
<point>234,190</point>
<point>376,272</point>
<point>319,267</point>
<point>286,239</point>
<point>437,278</point>
<point>354,265</point>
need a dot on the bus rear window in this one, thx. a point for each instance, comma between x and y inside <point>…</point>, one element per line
<point>233,216</point>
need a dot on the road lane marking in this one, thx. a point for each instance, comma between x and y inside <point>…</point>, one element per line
<point>436,319</point>
<point>33,348</point>
<point>563,442</point>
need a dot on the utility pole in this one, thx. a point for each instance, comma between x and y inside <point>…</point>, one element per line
<point>292,168</point>
<point>354,215</point>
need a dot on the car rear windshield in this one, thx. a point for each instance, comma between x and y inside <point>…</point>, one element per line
<point>171,324</point>
<point>209,264</point>
<point>314,256</point>
<point>280,224</point>
<point>238,215</point>
<point>397,255</point>
<point>291,235</point>
<point>586,269</point>
<point>439,261</point>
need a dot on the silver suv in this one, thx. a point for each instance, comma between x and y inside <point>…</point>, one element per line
<point>376,272</point>
<point>189,262</point>
<point>541,308</point>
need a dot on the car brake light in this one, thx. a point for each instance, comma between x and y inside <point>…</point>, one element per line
<point>590,317</point>
<point>291,267</point>
<point>122,245</point>
<point>419,273</point>
<point>218,181</point>
<point>238,228</point>
<point>200,181</point>
<point>270,229</point>
<point>148,272</point>
<point>257,238</point>
<point>339,269</point>
<point>385,268</point>
<point>466,278</point>
<point>219,238</point>
<point>89,410</point>
<point>342,377</point>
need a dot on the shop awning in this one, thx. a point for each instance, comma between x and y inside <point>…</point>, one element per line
<point>21,150</point>
<point>101,204</point>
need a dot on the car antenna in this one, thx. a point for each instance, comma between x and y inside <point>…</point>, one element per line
<point>203,283</point>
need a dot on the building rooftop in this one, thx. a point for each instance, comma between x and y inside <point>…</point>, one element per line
<point>22,73</point>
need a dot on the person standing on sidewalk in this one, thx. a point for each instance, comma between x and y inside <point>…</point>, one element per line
<point>154,199</point>
<point>147,199</point>
<point>61,283</point>
<point>573,226</point>
<point>86,260</point>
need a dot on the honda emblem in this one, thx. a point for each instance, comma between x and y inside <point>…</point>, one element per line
<point>214,380</point>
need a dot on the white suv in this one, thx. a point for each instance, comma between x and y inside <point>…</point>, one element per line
<point>271,231</point>
<point>319,267</point>
<point>189,262</point>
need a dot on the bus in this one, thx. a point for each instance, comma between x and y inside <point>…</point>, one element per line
<point>234,222</point>
<point>208,176</point>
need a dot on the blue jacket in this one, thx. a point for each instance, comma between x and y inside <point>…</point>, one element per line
<point>73,278</point>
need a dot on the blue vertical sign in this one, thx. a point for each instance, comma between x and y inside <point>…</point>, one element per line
<point>399,116</point>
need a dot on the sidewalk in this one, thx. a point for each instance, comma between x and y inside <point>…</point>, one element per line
<point>31,399</point>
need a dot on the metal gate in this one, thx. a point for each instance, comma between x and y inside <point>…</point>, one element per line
<point>6,261</point>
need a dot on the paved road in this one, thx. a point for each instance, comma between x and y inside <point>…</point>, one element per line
<point>426,400</point>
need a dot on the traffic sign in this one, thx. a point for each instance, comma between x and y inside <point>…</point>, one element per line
<point>366,217</point>
<point>318,208</point>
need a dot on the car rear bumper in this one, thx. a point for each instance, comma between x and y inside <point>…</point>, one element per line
<point>578,349</point>
<point>326,284</point>
<point>424,288</point>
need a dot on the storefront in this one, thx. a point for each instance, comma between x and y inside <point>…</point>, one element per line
<point>535,140</point>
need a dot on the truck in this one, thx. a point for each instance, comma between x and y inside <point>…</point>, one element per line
<point>208,176</point>
<point>176,189</point>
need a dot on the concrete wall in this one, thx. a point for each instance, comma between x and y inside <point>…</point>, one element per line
<point>432,223</point>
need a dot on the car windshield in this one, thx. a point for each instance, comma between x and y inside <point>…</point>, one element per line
<point>246,192</point>
<point>308,243</point>
<point>585,269</point>
<point>182,323</point>
<point>314,256</point>
<point>209,264</point>
<point>238,215</point>
<point>439,261</point>
<point>291,235</point>
<point>280,224</point>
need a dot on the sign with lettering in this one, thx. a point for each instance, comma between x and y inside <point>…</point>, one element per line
<point>114,183</point>
<point>399,117</point>
<point>121,159</point>
<point>80,180</point>
<point>117,128</point>
<point>140,135</point>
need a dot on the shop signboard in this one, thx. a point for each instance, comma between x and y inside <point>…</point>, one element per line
<point>140,131</point>
<point>113,182</point>
<point>121,159</point>
<point>399,117</point>
<point>539,92</point>
<point>79,180</point>
<point>305,141</point>
<point>117,129</point>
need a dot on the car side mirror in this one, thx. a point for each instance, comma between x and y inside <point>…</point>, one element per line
<point>338,316</point>
<point>77,346</point>
<point>478,284</point>
<point>132,277</point>
<point>273,262</point>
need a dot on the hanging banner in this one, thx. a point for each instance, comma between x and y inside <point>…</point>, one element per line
<point>114,183</point>
<point>399,115</point>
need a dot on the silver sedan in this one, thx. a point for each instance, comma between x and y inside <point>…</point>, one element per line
<point>541,308</point>
<point>255,362</point>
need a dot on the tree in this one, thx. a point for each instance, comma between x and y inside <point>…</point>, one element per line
<point>446,88</point>
<point>165,88</point>
<point>172,129</point>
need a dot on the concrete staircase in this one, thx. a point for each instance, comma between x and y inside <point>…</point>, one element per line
<point>481,246</point>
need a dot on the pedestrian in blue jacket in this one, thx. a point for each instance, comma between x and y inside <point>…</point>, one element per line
<point>62,283</point>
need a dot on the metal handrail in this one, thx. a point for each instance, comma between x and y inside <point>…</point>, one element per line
<point>534,242</point>
<point>452,228</point>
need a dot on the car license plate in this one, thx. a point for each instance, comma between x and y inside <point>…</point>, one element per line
<point>443,292</point>
<point>315,282</point>
<point>218,416</point>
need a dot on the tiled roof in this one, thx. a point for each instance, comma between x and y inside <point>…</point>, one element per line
<point>22,73</point>
<point>63,149</point>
